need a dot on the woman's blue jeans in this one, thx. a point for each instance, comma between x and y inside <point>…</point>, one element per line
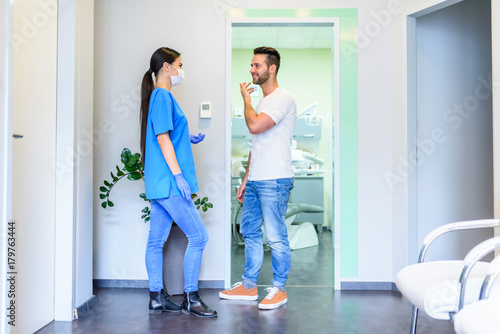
<point>266,201</point>
<point>164,212</point>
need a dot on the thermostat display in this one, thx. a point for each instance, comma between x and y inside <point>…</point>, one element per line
<point>206,109</point>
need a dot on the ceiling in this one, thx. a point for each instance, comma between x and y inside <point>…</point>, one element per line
<point>282,37</point>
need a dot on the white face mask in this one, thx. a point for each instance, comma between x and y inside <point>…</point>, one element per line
<point>177,79</point>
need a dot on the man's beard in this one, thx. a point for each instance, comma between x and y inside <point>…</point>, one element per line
<point>261,78</point>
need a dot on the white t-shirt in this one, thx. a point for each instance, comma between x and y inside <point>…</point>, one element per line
<point>271,150</point>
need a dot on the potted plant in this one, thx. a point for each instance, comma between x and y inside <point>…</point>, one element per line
<point>175,246</point>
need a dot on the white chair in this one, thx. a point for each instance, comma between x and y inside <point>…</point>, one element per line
<point>438,287</point>
<point>482,317</point>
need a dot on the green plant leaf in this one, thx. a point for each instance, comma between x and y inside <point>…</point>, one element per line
<point>104,204</point>
<point>145,210</point>
<point>134,176</point>
<point>102,196</point>
<point>147,219</point>
<point>205,199</point>
<point>125,155</point>
<point>204,209</point>
<point>129,168</point>
<point>119,172</point>
<point>143,216</point>
<point>197,202</point>
<point>210,205</point>
<point>103,189</point>
<point>142,195</point>
<point>107,183</point>
<point>111,204</point>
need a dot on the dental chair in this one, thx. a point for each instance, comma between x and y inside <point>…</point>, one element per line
<point>300,235</point>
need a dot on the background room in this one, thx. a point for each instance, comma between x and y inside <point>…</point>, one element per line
<point>306,71</point>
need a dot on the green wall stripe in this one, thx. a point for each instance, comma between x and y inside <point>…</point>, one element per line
<point>348,122</point>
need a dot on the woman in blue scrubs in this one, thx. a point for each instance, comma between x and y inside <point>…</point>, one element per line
<point>170,178</point>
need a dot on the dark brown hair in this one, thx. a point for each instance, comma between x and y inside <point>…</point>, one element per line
<point>273,56</point>
<point>159,57</point>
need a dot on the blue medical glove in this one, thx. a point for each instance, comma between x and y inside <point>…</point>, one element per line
<point>183,186</point>
<point>196,139</point>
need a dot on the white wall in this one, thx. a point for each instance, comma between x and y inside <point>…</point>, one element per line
<point>127,34</point>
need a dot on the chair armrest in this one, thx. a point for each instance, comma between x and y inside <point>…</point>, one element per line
<point>475,254</point>
<point>459,226</point>
<point>491,276</point>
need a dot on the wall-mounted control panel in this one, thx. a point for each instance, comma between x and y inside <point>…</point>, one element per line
<point>206,109</point>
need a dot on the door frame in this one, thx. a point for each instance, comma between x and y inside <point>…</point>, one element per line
<point>409,72</point>
<point>335,22</point>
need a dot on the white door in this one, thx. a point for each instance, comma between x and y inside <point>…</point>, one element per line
<point>33,172</point>
<point>454,123</point>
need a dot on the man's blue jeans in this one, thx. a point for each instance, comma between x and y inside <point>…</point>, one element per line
<point>163,212</point>
<point>266,201</point>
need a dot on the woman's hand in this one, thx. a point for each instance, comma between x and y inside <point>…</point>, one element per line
<point>183,186</point>
<point>196,139</point>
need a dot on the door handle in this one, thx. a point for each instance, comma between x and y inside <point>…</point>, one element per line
<point>16,136</point>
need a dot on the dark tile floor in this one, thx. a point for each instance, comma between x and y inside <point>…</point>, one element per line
<point>312,266</point>
<point>313,306</point>
<point>309,310</point>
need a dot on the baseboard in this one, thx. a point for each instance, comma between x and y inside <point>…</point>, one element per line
<point>129,283</point>
<point>143,284</point>
<point>211,284</point>
<point>85,307</point>
<point>368,286</point>
<point>121,283</point>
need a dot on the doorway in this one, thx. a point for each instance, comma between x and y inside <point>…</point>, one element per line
<point>310,46</point>
<point>450,138</point>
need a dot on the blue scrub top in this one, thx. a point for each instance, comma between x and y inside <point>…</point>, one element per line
<point>166,115</point>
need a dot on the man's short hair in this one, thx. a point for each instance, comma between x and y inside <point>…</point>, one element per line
<point>273,56</point>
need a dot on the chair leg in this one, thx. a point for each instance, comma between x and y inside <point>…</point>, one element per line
<point>414,315</point>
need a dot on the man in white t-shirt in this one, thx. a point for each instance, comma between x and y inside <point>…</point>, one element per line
<point>268,181</point>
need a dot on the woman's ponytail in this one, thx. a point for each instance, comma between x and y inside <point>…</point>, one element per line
<point>147,88</point>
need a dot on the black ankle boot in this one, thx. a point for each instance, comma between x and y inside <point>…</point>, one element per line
<point>160,302</point>
<point>193,304</point>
